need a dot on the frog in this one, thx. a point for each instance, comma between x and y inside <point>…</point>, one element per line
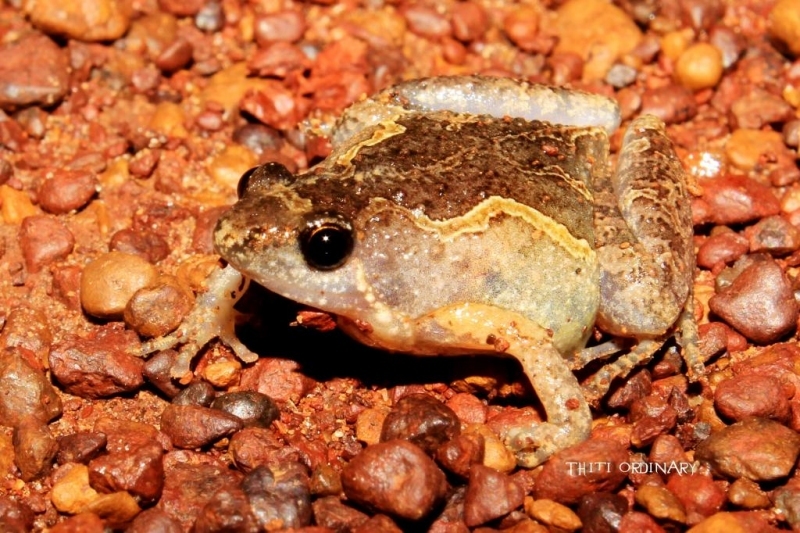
<point>463,215</point>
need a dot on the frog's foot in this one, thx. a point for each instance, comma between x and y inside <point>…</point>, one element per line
<point>689,340</point>
<point>213,316</point>
<point>596,386</point>
<point>535,445</point>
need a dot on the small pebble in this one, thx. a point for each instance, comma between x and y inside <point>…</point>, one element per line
<point>80,447</point>
<point>288,26</point>
<point>84,20</point>
<point>279,495</point>
<point>157,371</point>
<point>24,82</point>
<point>154,520</point>
<point>423,420</point>
<point>175,56</point>
<point>210,17</point>
<point>253,408</point>
<point>157,310</point>
<point>759,108</point>
<point>111,280</point>
<point>427,22</point>
<point>194,426</point>
<point>459,454</point>
<point>736,200</point>
<point>673,104</point>
<point>746,493</point>
<point>326,481</point>
<point>469,20</point>
<point>228,509</point>
<point>784,24</point>
<point>749,395</point>
<point>25,391</point>
<point>67,190</point>
<point>82,523</point>
<point>34,448</point>
<point>199,393</point>
<point>651,417</point>
<point>660,503</point>
<point>99,365</point>
<point>637,386</point>
<point>490,494</point>
<point>722,249</point>
<point>745,148</point>
<point>15,517</point>
<point>700,496</point>
<point>279,379</point>
<point>756,448</point>
<point>601,512</point>
<point>699,67</point>
<point>773,235</point>
<point>636,522</point>
<point>181,8</point>
<point>254,447</point>
<point>330,512</point>
<point>760,303</point>
<point>228,166</point>
<point>139,471</point>
<point>560,481</point>
<point>378,524</point>
<point>787,502</point>
<point>44,240</point>
<point>396,478</point>
<point>552,514</point>
<point>522,26</point>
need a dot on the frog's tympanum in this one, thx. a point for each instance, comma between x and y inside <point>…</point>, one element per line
<point>472,215</point>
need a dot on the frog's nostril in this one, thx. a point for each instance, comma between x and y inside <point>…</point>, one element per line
<point>326,244</point>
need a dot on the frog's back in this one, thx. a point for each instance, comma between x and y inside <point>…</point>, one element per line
<point>455,208</point>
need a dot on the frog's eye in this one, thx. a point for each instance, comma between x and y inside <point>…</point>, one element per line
<point>326,243</point>
<point>263,176</point>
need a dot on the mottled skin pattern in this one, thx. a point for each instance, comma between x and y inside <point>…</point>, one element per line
<point>477,233</point>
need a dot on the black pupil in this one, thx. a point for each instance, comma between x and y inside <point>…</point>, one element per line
<point>327,246</point>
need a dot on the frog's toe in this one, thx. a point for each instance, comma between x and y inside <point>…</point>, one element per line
<point>534,445</point>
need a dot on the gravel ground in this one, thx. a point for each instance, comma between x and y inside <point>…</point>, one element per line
<point>124,128</point>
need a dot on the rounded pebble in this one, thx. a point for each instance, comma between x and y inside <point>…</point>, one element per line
<point>552,514</point>
<point>253,408</point>
<point>699,67</point>
<point>197,393</point>
<point>673,104</point>
<point>44,240</point>
<point>66,191</point>
<point>427,22</point>
<point>784,24</point>
<point>146,244</point>
<point>331,513</point>
<point>660,503</point>
<point>756,448</point>
<point>157,371</point>
<point>522,26</point>
<point>735,200</point>
<point>460,453</point>
<point>421,419</point>
<point>25,391</point>
<point>774,235</point>
<point>287,26</point>
<point>746,493</point>
<point>601,512</point>
<point>84,20</point>
<point>139,471</point>
<point>253,447</point>
<point>700,496</point>
<point>34,448</point>
<point>111,280</point>
<point>745,147</point>
<point>80,447</point>
<point>721,249</point>
<point>279,495</point>
<point>490,494</point>
<point>753,395</point>
<point>469,20</point>
<point>395,477</point>
<point>193,426</point>
<point>15,517</point>
<point>760,303</point>
<point>154,520</point>
<point>24,82</point>
<point>759,108</point>
<point>159,309</point>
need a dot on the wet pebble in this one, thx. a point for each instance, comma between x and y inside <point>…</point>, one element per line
<point>193,426</point>
<point>157,371</point>
<point>490,494</point>
<point>746,493</point>
<point>34,448</point>
<point>25,392</point>
<point>253,408</point>
<point>326,481</point>
<point>288,26</point>
<point>522,26</point>
<point>331,513</point>
<point>637,386</point>
<point>111,280</point>
<point>84,20</point>
<point>787,502</point>
<point>660,503</point>
<point>44,240</point>
<point>774,235</point>
<point>143,163</point>
<point>735,200</point>
<point>279,495</point>
<point>560,481</point>
<point>99,365</point>
<point>759,108</point>
<point>421,419</point>
<point>159,309</point>
<point>28,328</point>
<point>784,24</point>
<point>673,104</point>
<point>175,56</point>
<point>427,22</point>
<point>756,448</point>
<point>459,454</point>
<point>197,393</point>
<point>468,408</point>
<point>67,190</point>
<point>139,471</point>
<point>760,303</point>
<point>469,21</point>
<point>24,82</point>
<point>651,416</point>
<point>699,67</point>
<point>15,517</point>
<point>396,478</point>
<point>80,447</point>
<point>721,249</point>
<point>227,510</point>
<point>749,395</point>
<point>154,520</point>
<point>699,495</point>
<point>146,244</point>
<point>254,447</point>
<point>378,524</point>
<point>601,512</point>
<point>277,378</point>
<point>552,514</point>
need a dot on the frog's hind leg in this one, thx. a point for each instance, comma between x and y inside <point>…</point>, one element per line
<point>596,386</point>
<point>468,327</point>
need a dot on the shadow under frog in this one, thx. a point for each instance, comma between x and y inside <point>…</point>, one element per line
<point>466,215</point>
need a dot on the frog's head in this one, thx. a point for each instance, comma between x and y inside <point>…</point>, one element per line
<point>297,245</point>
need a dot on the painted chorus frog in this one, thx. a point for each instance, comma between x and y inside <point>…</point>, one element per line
<point>465,215</point>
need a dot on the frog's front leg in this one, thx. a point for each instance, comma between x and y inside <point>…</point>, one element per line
<point>472,326</point>
<point>644,242</point>
<point>213,316</point>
